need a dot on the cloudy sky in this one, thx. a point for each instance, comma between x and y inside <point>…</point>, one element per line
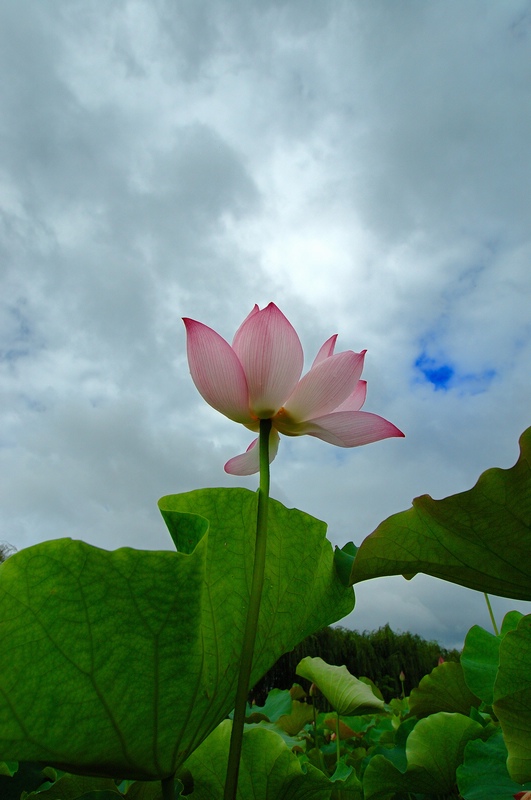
<point>366,166</point>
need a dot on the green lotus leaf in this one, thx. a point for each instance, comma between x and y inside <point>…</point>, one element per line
<point>97,795</point>
<point>294,742</point>
<point>444,689</point>
<point>120,663</point>
<point>360,725</point>
<point>483,775</point>
<point>300,715</point>
<point>347,785</point>
<point>479,660</point>
<point>142,790</point>
<point>77,787</point>
<point>147,790</point>
<point>512,699</point>
<point>434,750</point>
<point>375,690</point>
<point>480,538</point>
<point>268,769</point>
<point>344,559</point>
<point>344,692</point>
<point>278,702</point>
<point>399,706</point>
<point>510,622</point>
<point>481,655</point>
<point>397,753</point>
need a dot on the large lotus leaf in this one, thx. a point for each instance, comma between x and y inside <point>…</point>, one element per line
<point>480,538</point>
<point>434,750</point>
<point>75,787</point>
<point>344,692</point>
<point>444,689</point>
<point>484,776</point>
<point>268,769</point>
<point>120,663</point>
<point>512,699</point>
<point>82,787</point>
<point>481,655</point>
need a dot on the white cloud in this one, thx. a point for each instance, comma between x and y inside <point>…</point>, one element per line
<point>365,166</point>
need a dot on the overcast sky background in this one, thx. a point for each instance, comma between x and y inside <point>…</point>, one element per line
<point>364,165</point>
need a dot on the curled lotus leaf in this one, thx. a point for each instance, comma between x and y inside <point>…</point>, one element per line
<point>344,692</point>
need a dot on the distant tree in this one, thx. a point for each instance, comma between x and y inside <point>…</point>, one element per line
<point>380,655</point>
<point>5,551</point>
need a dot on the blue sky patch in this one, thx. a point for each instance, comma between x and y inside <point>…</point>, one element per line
<point>439,374</point>
<point>443,375</point>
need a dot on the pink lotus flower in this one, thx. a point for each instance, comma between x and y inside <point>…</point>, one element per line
<point>259,377</point>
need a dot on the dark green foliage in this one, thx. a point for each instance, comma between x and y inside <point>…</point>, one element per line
<point>379,655</point>
<point>28,777</point>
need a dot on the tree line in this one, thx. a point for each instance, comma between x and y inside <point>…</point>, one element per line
<point>380,655</point>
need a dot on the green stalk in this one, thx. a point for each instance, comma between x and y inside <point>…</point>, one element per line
<point>338,748</point>
<point>251,624</point>
<point>318,750</point>
<point>315,742</point>
<point>168,788</point>
<point>487,600</point>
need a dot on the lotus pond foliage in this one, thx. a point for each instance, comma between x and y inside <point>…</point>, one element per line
<point>126,674</point>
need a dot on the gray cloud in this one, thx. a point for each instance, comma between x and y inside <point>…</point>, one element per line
<point>365,166</point>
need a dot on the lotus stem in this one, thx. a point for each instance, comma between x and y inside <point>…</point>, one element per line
<point>168,788</point>
<point>492,619</point>
<point>253,611</point>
